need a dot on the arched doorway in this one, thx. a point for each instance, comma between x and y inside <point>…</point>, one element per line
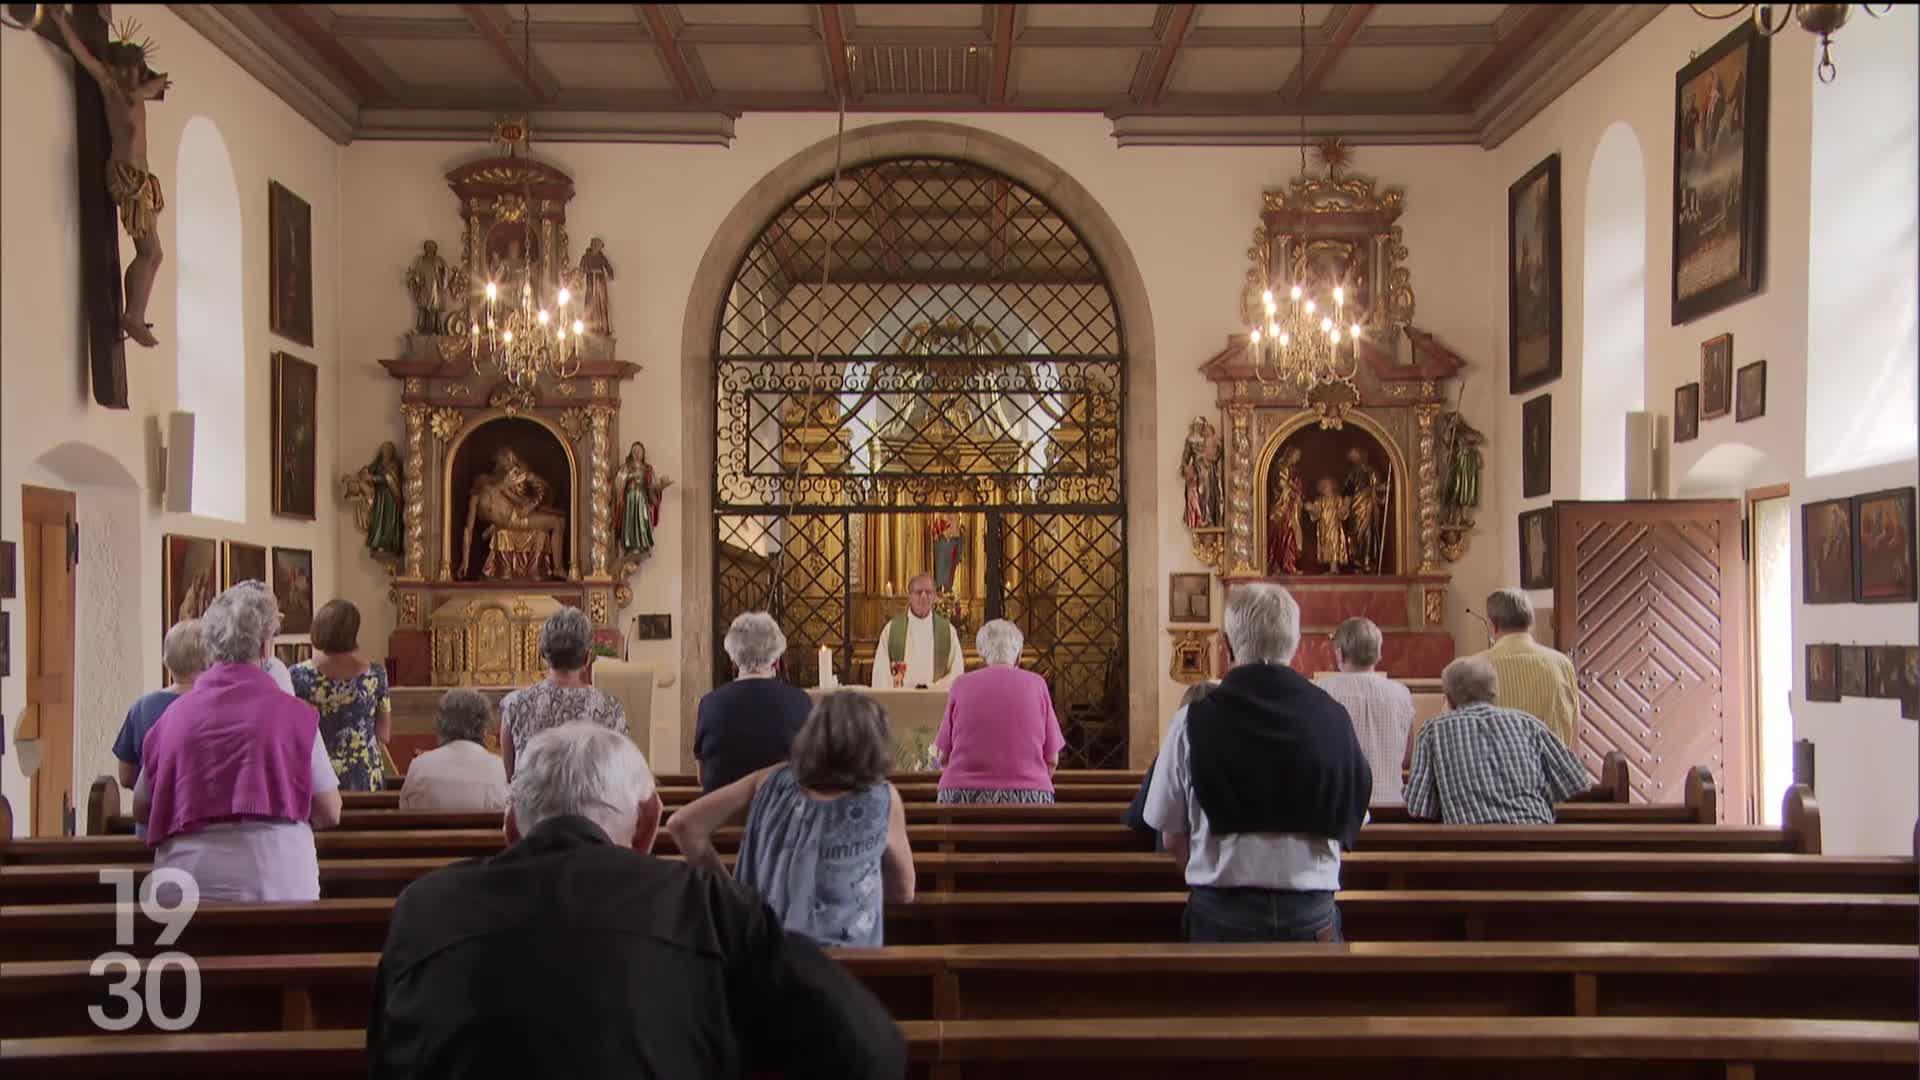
<point>949,397</point>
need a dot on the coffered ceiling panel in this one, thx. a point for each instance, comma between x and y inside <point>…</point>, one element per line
<point>1163,74</point>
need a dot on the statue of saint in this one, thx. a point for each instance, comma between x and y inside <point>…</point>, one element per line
<point>1200,474</point>
<point>1366,507</point>
<point>427,284</point>
<point>1288,501</point>
<point>949,542</point>
<point>597,294</point>
<point>637,493</point>
<point>1462,492</point>
<point>514,497</point>
<point>127,84</point>
<point>1329,513</point>
<point>378,486</point>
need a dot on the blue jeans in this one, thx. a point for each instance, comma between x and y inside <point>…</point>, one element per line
<point>1259,915</point>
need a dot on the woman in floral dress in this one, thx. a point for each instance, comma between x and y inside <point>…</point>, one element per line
<point>350,695</point>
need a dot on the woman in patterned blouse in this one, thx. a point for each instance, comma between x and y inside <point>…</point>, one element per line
<point>350,695</point>
<point>566,646</point>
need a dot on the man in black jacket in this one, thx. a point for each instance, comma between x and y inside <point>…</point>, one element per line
<point>1260,786</point>
<point>573,954</point>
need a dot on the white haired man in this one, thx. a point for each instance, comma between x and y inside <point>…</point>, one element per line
<point>1381,709</point>
<point>1533,678</point>
<point>573,953</point>
<point>749,723</point>
<point>1484,765</point>
<point>920,638</point>
<point>1260,786</point>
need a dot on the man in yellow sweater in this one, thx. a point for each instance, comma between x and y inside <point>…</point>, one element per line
<point>1533,678</point>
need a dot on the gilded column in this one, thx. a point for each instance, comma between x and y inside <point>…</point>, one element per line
<point>1243,505</point>
<point>416,553</point>
<point>600,536</point>
<point>1424,417</point>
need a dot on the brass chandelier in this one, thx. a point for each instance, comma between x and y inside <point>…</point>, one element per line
<point>1822,20</point>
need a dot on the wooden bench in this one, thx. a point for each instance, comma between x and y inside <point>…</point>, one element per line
<point>985,982</point>
<point>75,931</point>
<point>1080,871</point>
<point>1390,1047</point>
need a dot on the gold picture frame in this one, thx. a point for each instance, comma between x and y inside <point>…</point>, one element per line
<point>296,431</point>
<point>1193,659</point>
<point>241,561</point>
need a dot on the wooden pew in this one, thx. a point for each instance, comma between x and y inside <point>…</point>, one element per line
<point>986,982</point>
<point>1080,871</point>
<point>75,931</point>
<point>1387,1047</point>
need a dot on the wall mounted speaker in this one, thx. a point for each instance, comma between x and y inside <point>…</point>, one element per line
<point>177,495</point>
<point>1643,455</point>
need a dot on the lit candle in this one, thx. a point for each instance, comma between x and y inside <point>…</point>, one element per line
<point>826,668</point>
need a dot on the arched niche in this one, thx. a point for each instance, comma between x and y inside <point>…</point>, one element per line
<point>1323,455</point>
<point>471,455</point>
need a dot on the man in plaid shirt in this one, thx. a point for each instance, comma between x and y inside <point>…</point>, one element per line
<point>1484,765</point>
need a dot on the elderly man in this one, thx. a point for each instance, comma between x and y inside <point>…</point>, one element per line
<point>749,723</point>
<point>574,954</point>
<point>1483,765</point>
<point>1533,678</point>
<point>461,773</point>
<point>922,639</point>
<point>1259,787</point>
<point>1381,709</point>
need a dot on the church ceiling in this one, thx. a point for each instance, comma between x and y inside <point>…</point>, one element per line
<point>1166,74</point>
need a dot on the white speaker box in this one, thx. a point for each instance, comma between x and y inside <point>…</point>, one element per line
<point>178,497</point>
<point>1643,445</point>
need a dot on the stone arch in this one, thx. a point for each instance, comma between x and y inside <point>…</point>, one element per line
<point>707,297</point>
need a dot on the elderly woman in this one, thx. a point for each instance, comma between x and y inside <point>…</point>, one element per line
<point>999,742</point>
<point>826,833</point>
<point>185,654</point>
<point>462,774</point>
<point>566,647</point>
<point>749,723</point>
<point>351,695</point>
<point>234,777</point>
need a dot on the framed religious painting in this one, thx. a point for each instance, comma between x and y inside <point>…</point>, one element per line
<point>1826,552</point>
<point>8,583</point>
<point>1853,671</point>
<point>1887,672</point>
<point>243,562</point>
<point>293,589</point>
<point>289,265</point>
<point>296,409</point>
<point>1686,412</point>
<point>1910,704</point>
<point>1536,454</point>
<point>189,577</point>
<point>1536,549</point>
<point>1750,392</point>
<point>1716,377</point>
<point>1883,549</point>
<point>1533,277</point>
<point>1190,598</point>
<point>1823,673</point>
<point>1719,174</point>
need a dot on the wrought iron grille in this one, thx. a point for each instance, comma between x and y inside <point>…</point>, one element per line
<point>964,359</point>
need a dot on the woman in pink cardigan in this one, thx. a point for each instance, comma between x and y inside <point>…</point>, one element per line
<point>1000,741</point>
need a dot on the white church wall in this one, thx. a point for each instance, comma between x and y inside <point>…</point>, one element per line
<point>53,433</point>
<point>1187,216</point>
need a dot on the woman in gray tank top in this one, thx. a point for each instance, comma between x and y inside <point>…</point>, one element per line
<point>826,839</point>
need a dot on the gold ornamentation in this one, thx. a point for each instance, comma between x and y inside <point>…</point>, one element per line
<point>1332,414</point>
<point>452,346</point>
<point>416,480</point>
<point>622,595</point>
<point>1429,473</point>
<point>600,526</point>
<point>510,206</point>
<point>513,400</point>
<point>410,609</point>
<point>1192,653</point>
<point>1434,610</point>
<point>459,390</point>
<point>413,387</point>
<point>574,423</point>
<point>565,388</point>
<point>445,421</point>
<point>597,607</point>
<point>1240,498</point>
<point>600,388</point>
<point>1454,540</point>
<point>1209,545</point>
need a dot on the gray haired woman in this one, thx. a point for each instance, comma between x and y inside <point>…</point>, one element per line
<point>566,646</point>
<point>750,722</point>
<point>1000,740</point>
<point>826,837</point>
<point>461,774</point>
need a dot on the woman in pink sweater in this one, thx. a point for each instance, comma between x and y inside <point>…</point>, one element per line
<point>1000,741</point>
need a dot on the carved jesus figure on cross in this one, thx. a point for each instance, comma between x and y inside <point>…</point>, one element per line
<point>127,84</point>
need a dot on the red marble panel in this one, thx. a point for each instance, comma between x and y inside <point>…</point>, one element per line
<point>1403,654</point>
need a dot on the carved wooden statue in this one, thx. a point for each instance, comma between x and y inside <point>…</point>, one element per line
<point>376,492</point>
<point>637,493</point>
<point>1329,513</point>
<point>1200,475</point>
<point>1283,521</point>
<point>1367,505</point>
<point>127,84</point>
<point>525,537</point>
<point>428,281</point>
<point>596,294</point>
<point>1461,495</point>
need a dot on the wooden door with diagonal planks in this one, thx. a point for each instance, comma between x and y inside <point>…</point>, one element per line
<point>1650,603</point>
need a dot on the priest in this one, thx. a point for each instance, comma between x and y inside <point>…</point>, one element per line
<point>920,638</point>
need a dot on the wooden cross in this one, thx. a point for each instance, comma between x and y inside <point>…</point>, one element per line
<point>99,225</point>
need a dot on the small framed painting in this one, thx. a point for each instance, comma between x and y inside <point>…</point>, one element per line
<point>1910,704</point>
<point>1887,672</point>
<point>295,423</point>
<point>1853,671</point>
<point>1716,377</point>
<point>189,578</point>
<point>1190,598</point>
<point>293,589</point>
<point>8,583</point>
<point>6,644</point>
<point>1192,655</point>
<point>1719,174</point>
<point>1750,392</point>
<point>243,562</point>
<point>653,627</point>
<point>1826,552</point>
<point>1533,278</point>
<point>1536,457</point>
<point>1823,673</point>
<point>1536,549</point>
<point>1883,549</point>
<point>1686,413</point>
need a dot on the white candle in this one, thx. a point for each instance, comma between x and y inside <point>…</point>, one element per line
<point>826,668</point>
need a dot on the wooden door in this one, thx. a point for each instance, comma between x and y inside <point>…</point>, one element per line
<point>47,540</point>
<point>1650,602</point>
